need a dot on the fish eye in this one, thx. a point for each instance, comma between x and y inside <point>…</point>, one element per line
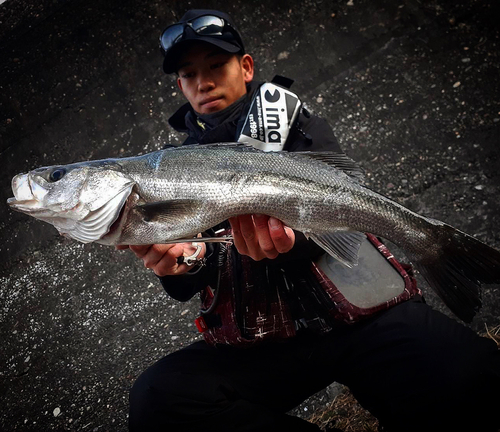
<point>57,174</point>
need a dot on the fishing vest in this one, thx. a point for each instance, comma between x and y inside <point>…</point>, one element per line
<point>241,310</point>
<point>245,307</point>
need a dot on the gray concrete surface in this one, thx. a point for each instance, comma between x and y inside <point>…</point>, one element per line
<point>411,88</point>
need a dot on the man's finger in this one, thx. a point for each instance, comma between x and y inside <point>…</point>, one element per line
<point>283,238</point>
<point>265,241</point>
<point>247,229</point>
<point>140,250</point>
<point>251,237</point>
<point>167,264</point>
<point>238,240</point>
<point>154,254</point>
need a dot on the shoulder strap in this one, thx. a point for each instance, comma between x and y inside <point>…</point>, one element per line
<point>282,81</point>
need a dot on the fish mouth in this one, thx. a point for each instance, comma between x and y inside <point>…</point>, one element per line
<point>21,187</point>
<point>26,206</point>
<point>24,199</point>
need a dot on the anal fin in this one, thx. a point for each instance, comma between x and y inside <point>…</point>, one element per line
<point>343,246</point>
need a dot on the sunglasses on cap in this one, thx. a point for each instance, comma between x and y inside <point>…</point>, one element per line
<point>206,25</point>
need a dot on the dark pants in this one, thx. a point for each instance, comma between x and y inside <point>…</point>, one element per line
<point>412,367</point>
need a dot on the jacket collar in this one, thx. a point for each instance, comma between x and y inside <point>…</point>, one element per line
<point>178,119</point>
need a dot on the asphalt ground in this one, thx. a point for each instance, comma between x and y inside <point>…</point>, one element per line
<point>410,87</point>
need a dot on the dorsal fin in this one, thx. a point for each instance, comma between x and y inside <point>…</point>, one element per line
<point>339,160</point>
<point>237,145</point>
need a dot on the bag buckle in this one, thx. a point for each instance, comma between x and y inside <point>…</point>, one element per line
<point>201,324</point>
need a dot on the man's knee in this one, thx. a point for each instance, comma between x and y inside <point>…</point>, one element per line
<point>150,400</point>
<point>463,396</point>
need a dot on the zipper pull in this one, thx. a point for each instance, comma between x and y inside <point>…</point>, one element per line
<point>200,124</point>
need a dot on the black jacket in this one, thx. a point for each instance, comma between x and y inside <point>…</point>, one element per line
<point>311,133</point>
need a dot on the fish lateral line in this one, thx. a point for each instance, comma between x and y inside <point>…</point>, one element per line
<point>225,239</point>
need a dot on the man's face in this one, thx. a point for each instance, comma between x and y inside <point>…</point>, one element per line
<point>212,79</point>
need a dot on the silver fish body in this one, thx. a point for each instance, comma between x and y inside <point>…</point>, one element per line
<point>176,193</point>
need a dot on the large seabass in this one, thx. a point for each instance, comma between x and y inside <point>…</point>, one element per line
<point>174,194</point>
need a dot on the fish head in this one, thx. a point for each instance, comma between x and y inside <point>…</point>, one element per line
<point>81,200</point>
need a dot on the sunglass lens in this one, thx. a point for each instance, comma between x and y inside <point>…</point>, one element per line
<point>170,36</point>
<point>208,25</point>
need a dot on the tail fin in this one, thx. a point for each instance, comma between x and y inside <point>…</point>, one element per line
<point>464,264</point>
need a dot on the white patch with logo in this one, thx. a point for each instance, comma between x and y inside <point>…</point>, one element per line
<point>272,113</point>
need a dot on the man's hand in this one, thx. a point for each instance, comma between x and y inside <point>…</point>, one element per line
<point>260,236</point>
<point>162,258</point>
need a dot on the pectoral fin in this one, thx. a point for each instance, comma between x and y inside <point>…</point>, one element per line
<point>343,246</point>
<point>168,211</point>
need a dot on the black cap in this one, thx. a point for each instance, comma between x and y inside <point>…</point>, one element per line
<point>230,41</point>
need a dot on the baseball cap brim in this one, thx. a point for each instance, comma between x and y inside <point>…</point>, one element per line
<point>172,57</point>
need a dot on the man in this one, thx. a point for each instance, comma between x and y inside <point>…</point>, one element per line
<point>269,341</point>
